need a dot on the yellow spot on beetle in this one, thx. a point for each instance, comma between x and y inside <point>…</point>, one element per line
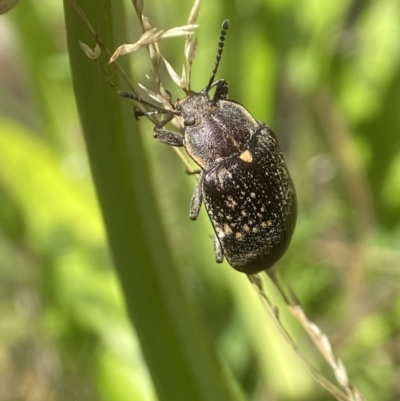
<point>246,156</point>
<point>227,229</point>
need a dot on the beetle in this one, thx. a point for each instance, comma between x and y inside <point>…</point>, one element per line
<point>243,182</point>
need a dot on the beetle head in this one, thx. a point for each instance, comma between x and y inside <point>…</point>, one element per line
<point>196,104</point>
<point>194,107</point>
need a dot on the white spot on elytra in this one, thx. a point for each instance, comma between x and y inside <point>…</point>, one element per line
<point>231,203</point>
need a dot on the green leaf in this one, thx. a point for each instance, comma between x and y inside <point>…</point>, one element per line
<point>178,353</point>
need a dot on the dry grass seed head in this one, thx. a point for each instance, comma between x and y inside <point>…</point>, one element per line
<point>194,12</point>
<point>92,54</point>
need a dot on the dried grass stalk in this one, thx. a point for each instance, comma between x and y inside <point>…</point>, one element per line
<point>348,392</point>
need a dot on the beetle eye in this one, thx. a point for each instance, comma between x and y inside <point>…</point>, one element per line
<point>189,121</point>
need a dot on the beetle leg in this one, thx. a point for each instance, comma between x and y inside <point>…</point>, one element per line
<point>193,172</point>
<point>197,199</point>
<point>169,137</point>
<point>219,254</point>
<point>165,136</point>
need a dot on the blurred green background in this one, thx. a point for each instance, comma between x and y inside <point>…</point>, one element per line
<point>325,75</point>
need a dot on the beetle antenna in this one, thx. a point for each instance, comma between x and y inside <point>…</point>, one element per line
<point>140,100</point>
<point>225,26</point>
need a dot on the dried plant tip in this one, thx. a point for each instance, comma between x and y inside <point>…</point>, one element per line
<point>151,94</point>
<point>94,55</point>
<point>326,344</point>
<point>147,38</point>
<point>341,374</point>
<point>179,31</point>
<point>190,50</point>
<point>147,25</point>
<point>194,12</point>
<point>97,51</point>
<point>155,55</point>
<point>184,79</point>
<point>175,77</point>
<point>314,328</point>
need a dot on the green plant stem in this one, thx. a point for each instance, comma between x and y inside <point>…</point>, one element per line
<point>182,363</point>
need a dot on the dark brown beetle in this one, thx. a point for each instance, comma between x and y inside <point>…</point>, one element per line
<point>244,182</point>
